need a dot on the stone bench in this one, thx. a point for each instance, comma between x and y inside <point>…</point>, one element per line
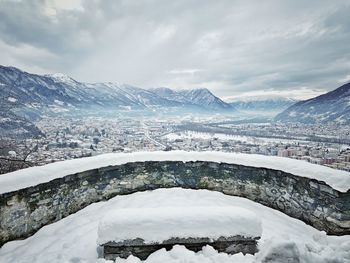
<point>142,231</point>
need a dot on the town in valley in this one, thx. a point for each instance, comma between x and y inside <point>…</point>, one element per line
<point>69,138</point>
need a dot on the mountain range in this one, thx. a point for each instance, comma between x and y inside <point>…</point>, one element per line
<point>58,92</point>
<point>199,97</point>
<point>272,105</point>
<point>333,106</point>
<point>25,97</point>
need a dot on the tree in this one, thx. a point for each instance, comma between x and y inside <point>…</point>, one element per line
<point>15,155</point>
<point>96,140</point>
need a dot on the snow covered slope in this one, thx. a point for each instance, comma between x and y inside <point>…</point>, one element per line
<point>263,104</point>
<point>339,180</point>
<point>202,98</point>
<point>58,92</point>
<point>73,239</point>
<point>329,107</point>
<point>12,125</point>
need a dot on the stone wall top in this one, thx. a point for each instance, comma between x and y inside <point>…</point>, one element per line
<point>339,180</point>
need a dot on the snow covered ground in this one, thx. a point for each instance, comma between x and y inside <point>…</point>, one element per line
<point>74,238</point>
<point>208,136</point>
<point>227,137</point>
<point>339,180</point>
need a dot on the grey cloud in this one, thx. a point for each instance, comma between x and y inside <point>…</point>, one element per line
<point>234,46</point>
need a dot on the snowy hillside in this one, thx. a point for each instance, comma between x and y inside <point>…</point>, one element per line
<point>263,104</point>
<point>37,94</point>
<point>12,124</point>
<point>206,98</point>
<point>195,97</point>
<point>73,239</point>
<point>329,107</point>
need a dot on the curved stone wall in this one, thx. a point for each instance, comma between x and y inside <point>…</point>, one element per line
<point>25,211</point>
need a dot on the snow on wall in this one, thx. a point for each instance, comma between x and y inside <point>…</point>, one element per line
<point>339,180</point>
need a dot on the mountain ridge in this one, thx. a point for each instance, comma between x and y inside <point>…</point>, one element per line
<point>265,104</point>
<point>56,90</point>
<point>333,106</point>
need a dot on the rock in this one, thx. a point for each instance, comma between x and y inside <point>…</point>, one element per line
<point>286,252</point>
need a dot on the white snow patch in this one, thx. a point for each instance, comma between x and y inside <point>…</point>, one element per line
<point>226,137</point>
<point>339,180</point>
<point>345,147</point>
<point>61,103</point>
<point>60,77</point>
<point>179,254</point>
<point>155,225</point>
<point>11,99</point>
<point>2,120</point>
<point>12,153</point>
<point>73,239</point>
<point>292,114</point>
<point>205,136</point>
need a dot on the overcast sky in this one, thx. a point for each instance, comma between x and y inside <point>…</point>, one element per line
<point>234,48</point>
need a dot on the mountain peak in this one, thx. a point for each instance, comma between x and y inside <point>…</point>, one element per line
<point>11,71</point>
<point>2,67</point>
<point>60,77</point>
<point>203,96</point>
<point>198,91</point>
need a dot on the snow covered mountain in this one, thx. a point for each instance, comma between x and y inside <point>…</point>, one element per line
<point>196,97</point>
<point>266,104</point>
<point>58,92</point>
<point>13,125</point>
<point>333,106</point>
<point>28,88</point>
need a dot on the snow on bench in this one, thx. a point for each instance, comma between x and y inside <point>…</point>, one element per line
<point>142,231</point>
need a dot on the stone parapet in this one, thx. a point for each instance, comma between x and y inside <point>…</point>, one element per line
<point>25,211</point>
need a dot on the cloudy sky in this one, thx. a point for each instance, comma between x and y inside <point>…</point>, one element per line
<point>235,48</point>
